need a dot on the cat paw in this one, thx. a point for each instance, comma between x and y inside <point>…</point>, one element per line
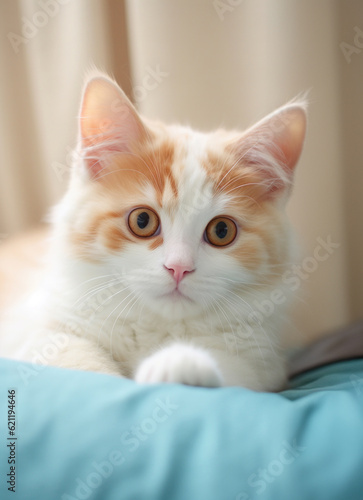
<point>180,364</point>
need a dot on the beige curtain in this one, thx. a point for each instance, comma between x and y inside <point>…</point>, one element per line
<point>47,46</point>
<point>208,63</point>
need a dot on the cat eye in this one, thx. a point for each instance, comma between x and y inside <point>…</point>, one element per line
<point>221,231</point>
<point>143,222</point>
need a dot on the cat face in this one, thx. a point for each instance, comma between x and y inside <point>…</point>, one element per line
<point>191,221</point>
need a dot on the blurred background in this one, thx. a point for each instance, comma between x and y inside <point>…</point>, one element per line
<point>207,63</point>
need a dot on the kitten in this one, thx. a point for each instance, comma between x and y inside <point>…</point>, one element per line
<point>162,246</point>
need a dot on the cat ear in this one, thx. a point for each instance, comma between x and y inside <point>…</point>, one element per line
<point>273,146</point>
<point>108,124</point>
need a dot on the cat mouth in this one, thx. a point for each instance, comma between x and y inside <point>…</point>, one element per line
<point>177,295</point>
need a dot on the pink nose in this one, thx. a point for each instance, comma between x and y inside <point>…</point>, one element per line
<point>178,271</point>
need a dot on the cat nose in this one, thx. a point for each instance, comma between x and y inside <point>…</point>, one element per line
<point>179,271</point>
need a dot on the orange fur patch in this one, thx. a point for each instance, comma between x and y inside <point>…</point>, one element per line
<point>261,226</point>
<point>151,164</point>
<point>117,189</point>
<point>242,183</point>
<point>156,242</point>
<point>99,225</point>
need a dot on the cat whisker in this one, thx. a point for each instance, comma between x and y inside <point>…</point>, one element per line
<point>214,280</point>
<point>112,297</point>
<point>253,340</point>
<point>216,312</point>
<point>91,279</point>
<point>133,298</point>
<point>260,326</point>
<point>115,308</point>
<point>223,312</point>
<point>90,293</point>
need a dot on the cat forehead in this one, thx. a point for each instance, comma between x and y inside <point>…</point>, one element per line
<point>190,182</point>
<point>179,170</point>
<point>187,172</point>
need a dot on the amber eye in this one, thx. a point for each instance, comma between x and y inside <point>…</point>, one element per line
<point>143,222</point>
<point>221,231</point>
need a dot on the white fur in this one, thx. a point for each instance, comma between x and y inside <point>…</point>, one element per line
<point>119,315</point>
<point>180,363</point>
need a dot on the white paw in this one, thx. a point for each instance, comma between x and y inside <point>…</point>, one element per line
<point>180,364</point>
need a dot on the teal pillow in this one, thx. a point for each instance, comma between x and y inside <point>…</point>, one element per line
<point>80,435</point>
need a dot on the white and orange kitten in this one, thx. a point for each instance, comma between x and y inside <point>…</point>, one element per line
<point>164,242</point>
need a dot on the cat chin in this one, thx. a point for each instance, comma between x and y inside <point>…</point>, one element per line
<point>175,307</point>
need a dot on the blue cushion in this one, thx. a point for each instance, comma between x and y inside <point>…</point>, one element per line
<point>88,436</point>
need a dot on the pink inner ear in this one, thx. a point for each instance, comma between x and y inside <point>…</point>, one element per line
<point>108,123</point>
<point>290,136</point>
<point>274,145</point>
